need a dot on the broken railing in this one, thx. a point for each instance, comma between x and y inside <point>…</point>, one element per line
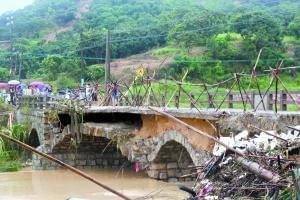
<point>241,91</point>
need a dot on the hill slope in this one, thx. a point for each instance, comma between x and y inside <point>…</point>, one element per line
<point>229,35</point>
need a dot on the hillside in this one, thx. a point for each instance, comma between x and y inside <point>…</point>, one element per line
<point>218,37</point>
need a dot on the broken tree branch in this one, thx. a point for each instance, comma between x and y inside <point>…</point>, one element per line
<point>258,170</point>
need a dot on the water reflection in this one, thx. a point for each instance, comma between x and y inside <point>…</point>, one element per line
<point>61,184</point>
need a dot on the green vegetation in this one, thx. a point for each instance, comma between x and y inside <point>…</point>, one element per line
<point>11,155</point>
<point>212,39</point>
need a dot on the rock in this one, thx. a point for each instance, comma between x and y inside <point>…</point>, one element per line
<point>172,179</point>
<point>171,173</point>
<point>158,166</point>
<point>163,176</point>
<point>153,174</point>
<point>172,165</point>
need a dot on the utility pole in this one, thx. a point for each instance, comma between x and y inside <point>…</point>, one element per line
<point>20,65</point>
<point>10,23</point>
<point>107,59</point>
<point>81,59</point>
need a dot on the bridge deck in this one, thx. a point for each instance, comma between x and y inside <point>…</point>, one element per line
<point>209,114</point>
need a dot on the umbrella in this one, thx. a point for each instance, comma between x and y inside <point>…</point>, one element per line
<point>3,85</point>
<point>13,82</point>
<point>38,84</point>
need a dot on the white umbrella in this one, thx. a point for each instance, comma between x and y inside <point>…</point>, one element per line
<point>13,82</point>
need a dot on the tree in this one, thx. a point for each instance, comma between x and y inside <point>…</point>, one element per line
<point>225,46</point>
<point>94,72</point>
<point>294,27</point>
<point>4,74</point>
<point>260,29</point>
<point>196,28</point>
<point>51,65</point>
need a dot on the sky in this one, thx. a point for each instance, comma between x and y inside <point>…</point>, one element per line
<point>9,5</point>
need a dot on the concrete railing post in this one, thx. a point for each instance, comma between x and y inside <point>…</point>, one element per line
<point>151,100</point>
<point>270,101</point>
<point>230,101</point>
<point>138,100</point>
<point>253,100</point>
<point>283,101</point>
<point>210,101</point>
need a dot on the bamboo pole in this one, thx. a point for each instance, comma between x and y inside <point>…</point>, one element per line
<point>73,169</point>
<point>183,78</point>
<point>251,166</point>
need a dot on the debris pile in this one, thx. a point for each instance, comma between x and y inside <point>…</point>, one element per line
<point>259,167</point>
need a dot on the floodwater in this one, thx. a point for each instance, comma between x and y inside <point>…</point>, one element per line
<point>62,184</point>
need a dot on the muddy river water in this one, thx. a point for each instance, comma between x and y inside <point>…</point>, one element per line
<point>61,184</point>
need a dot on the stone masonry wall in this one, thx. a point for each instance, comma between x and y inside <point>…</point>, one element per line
<point>92,153</point>
<point>171,163</point>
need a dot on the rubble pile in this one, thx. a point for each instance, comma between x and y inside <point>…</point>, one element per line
<point>261,169</point>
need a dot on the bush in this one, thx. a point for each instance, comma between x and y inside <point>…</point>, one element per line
<point>94,72</point>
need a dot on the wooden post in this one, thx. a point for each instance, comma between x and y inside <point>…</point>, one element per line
<point>283,101</point>
<point>230,100</point>
<point>179,93</point>
<point>107,61</point>
<point>270,101</point>
<point>81,59</point>
<point>192,100</point>
<point>177,101</point>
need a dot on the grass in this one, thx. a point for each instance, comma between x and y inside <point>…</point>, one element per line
<point>291,40</point>
<point>168,51</point>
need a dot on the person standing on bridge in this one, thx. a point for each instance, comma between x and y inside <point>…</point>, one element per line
<point>114,93</point>
<point>88,92</point>
<point>95,92</point>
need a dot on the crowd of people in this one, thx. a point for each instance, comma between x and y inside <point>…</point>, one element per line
<point>11,93</point>
<point>88,92</point>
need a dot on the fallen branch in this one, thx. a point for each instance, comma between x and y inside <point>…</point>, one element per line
<point>258,170</point>
<point>73,169</point>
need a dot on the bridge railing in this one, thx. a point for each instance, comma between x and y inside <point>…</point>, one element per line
<point>237,92</point>
<point>233,100</point>
<point>37,101</point>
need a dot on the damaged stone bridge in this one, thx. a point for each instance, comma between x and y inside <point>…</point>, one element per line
<point>119,137</point>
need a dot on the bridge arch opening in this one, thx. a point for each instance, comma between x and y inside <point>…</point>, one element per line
<point>91,153</point>
<point>33,139</point>
<point>172,163</point>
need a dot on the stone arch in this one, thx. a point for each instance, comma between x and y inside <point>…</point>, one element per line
<point>173,156</point>
<point>91,152</point>
<point>33,139</point>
